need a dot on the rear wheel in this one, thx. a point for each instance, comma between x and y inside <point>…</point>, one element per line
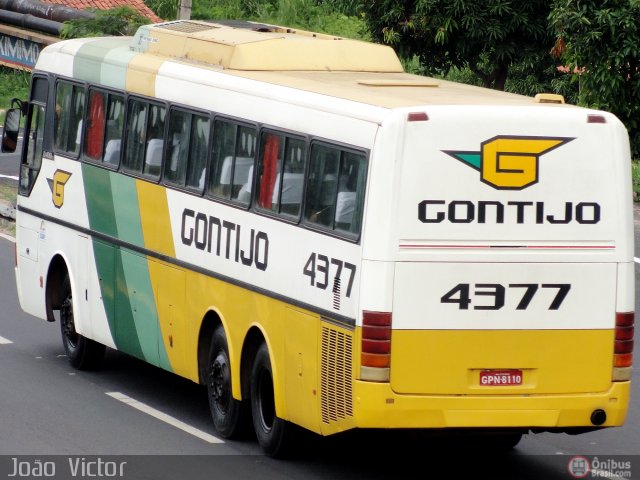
<point>273,433</point>
<point>227,412</point>
<point>83,353</point>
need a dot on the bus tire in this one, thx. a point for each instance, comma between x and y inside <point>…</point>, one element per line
<point>274,434</point>
<point>82,353</point>
<point>227,413</point>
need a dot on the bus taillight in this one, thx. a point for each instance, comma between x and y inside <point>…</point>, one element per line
<point>623,346</point>
<point>376,346</point>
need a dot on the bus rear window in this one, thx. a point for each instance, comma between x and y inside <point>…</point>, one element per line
<point>335,189</point>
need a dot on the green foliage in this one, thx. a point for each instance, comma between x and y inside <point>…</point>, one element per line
<point>601,38</point>
<point>485,37</point>
<point>13,84</point>
<point>166,9</point>
<point>115,21</point>
<point>635,177</point>
<point>314,15</point>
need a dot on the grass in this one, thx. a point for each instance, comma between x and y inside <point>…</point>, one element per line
<point>13,84</point>
<point>8,192</point>
<point>635,176</point>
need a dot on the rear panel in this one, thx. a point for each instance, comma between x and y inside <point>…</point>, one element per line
<point>510,230</point>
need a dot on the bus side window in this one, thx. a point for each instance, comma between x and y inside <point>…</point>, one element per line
<point>68,121</point>
<point>280,182</point>
<point>322,185</point>
<point>351,186</point>
<point>224,145</point>
<point>232,163</point>
<point>115,124</point>
<point>293,177</point>
<point>335,189</point>
<point>94,133</point>
<point>136,135</point>
<point>198,149</point>
<point>145,138</point>
<point>155,141</point>
<point>269,166</point>
<point>175,168</point>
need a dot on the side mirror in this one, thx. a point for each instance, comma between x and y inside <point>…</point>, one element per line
<point>10,130</point>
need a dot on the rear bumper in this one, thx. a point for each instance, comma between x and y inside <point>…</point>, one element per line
<point>377,406</point>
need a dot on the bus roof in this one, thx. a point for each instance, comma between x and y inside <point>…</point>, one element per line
<point>362,72</point>
<point>252,46</point>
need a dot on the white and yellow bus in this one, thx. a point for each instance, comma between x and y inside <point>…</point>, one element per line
<point>324,240</point>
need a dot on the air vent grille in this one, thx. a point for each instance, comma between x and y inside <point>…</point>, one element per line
<point>185,27</point>
<point>336,402</point>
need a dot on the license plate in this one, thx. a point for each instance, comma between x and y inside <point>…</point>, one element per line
<point>498,378</point>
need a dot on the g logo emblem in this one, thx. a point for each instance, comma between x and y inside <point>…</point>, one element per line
<point>60,178</point>
<point>509,163</point>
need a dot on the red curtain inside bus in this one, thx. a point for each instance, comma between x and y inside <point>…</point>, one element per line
<point>269,170</point>
<point>95,127</point>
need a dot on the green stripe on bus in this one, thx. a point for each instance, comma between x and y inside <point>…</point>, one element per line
<point>103,61</point>
<point>125,283</point>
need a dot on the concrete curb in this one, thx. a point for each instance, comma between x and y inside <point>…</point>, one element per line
<point>7,210</point>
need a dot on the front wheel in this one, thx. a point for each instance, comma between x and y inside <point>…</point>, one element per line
<point>274,434</point>
<point>83,353</point>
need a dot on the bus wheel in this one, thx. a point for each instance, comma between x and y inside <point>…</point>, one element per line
<point>273,433</point>
<point>83,353</point>
<point>226,411</point>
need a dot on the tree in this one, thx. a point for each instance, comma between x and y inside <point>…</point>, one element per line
<point>115,21</point>
<point>487,37</point>
<point>600,38</point>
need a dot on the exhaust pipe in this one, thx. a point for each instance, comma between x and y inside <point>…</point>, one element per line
<point>598,417</point>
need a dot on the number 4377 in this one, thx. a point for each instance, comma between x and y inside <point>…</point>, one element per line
<point>495,294</point>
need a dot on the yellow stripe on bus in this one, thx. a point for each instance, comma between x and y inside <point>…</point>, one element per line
<point>141,74</point>
<point>167,282</point>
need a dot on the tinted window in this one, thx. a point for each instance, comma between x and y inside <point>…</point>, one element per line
<point>114,128</point>
<point>68,117</point>
<point>335,189</point>
<point>233,156</point>
<point>198,150</point>
<point>175,169</point>
<point>187,150</point>
<point>145,138</point>
<point>281,174</point>
<point>94,135</point>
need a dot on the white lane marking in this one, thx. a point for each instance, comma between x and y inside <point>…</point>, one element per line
<point>164,417</point>
<point>636,259</point>
<point>9,176</point>
<point>5,341</point>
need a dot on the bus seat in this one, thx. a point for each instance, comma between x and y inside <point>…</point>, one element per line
<point>345,207</point>
<point>112,152</point>
<point>292,185</point>
<point>243,164</point>
<point>153,159</point>
<point>244,194</point>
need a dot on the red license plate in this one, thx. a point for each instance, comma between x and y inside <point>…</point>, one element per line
<point>498,378</point>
